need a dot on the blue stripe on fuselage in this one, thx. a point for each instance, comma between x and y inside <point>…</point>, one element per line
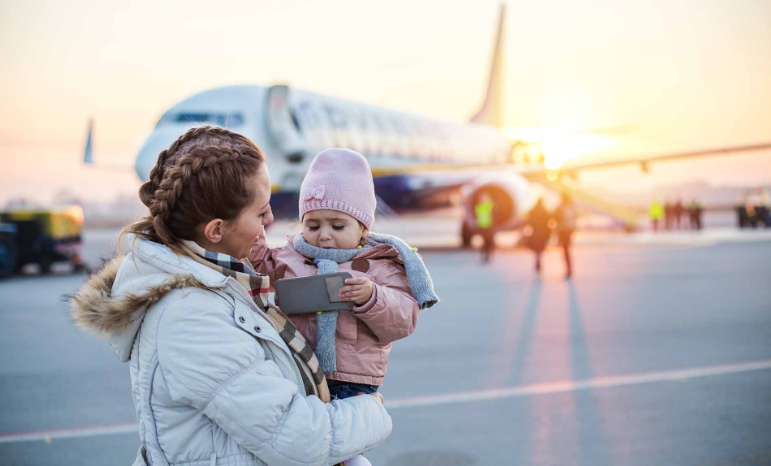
<point>393,190</point>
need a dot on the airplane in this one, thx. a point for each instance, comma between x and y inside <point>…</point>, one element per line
<point>417,162</point>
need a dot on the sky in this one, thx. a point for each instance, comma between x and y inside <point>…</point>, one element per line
<point>678,75</point>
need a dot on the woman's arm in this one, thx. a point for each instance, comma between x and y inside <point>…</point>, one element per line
<point>221,370</point>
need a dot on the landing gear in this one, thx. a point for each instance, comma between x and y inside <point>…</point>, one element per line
<point>465,235</point>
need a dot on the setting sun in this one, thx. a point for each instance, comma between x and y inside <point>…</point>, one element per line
<point>556,146</point>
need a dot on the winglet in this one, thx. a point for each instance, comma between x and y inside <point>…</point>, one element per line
<point>491,112</point>
<point>88,155</point>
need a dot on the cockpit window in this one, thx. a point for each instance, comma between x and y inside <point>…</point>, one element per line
<point>225,120</point>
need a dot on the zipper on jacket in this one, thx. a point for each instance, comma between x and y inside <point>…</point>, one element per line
<point>284,347</point>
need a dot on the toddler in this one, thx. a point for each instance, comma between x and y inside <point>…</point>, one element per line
<point>390,283</point>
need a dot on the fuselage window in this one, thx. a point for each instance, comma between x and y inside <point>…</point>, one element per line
<point>225,120</point>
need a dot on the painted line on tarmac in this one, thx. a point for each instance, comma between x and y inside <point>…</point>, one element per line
<point>573,386</point>
<point>451,398</point>
<point>73,432</point>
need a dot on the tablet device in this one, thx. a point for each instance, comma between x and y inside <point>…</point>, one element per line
<point>311,294</point>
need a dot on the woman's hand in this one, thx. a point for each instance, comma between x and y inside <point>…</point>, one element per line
<point>358,290</point>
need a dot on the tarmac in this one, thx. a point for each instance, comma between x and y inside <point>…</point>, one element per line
<point>656,352</point>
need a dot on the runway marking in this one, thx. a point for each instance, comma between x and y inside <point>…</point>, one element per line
<point>679,375</point>
<point>573,386</point>
<point>73,432</point>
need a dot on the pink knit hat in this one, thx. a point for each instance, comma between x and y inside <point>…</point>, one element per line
<point>340,179</point>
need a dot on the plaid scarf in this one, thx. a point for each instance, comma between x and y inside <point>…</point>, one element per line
<point>258,287</point>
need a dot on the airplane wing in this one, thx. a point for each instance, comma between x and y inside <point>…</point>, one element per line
<point>537,171</point>
<point>625,216</point>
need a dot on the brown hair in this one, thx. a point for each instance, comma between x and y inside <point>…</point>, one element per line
<point>203,175</point>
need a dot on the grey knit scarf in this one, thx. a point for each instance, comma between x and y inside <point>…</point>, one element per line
<point>328,259</point>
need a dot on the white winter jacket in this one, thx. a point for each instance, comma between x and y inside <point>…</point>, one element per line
<point>213,382</point>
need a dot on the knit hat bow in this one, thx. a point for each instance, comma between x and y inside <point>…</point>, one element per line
<point>315,193</point>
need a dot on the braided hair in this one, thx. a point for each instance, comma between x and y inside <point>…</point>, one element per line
<point>204,174</point>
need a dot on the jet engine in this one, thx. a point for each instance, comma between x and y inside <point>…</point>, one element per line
<point>509,194</point>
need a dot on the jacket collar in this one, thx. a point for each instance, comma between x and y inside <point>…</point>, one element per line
<point>163,258</point>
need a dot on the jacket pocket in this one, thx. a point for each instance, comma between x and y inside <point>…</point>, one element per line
<point>347,328</point>
<point>141,459</point>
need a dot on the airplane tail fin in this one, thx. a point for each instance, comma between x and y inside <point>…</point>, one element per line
<point>491,112</point>
<point>88,154</point>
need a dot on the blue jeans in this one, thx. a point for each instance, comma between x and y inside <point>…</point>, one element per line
<point>339,390</point>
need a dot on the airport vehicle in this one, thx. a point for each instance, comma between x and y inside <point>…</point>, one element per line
<point>756,209</point>
<point>417,162</point>
<point>40,237</point>
<point>7,249</point>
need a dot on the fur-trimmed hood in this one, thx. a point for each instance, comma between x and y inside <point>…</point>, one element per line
<point>96,310</point>
<point>113,302</point>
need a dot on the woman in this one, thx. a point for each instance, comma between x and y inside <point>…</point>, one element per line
<point>217,376</point>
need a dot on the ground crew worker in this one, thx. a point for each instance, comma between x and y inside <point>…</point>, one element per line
<point>694,211</point>
<point>656,211</point>
<point>566,216</point>
<point>483,211</point>
<point>538,221</point>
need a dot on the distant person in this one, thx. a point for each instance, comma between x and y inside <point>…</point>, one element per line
<point>566,216</point>
<point>765,207</point>
<point>390,284</point>
<point>742,216</point>
<point>483,212</point>
<point>669,215</point>
<point>694,214</point>
<point>655,212</point>
<point>754,207</point>
<point>677,212</point>
<point>218,375</point>
<point>538,221</point>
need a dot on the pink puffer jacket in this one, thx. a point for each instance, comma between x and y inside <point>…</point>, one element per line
<point>364,335</point>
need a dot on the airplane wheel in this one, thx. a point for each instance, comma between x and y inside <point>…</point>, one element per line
<point>465,235</point>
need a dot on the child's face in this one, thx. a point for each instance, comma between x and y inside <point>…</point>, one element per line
<point>331,229</point>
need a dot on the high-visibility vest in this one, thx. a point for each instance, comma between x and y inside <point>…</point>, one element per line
<point>484,214</point>
<point>656,210</point>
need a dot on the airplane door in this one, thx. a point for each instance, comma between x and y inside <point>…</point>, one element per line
<point>283,127</point>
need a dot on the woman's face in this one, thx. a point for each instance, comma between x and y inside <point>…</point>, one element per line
<point>239,236</point>
<point>331,229</point>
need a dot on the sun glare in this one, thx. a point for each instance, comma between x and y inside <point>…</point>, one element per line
<point>556,146</point>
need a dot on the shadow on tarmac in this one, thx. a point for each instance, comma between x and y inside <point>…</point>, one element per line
<point>589,424</point>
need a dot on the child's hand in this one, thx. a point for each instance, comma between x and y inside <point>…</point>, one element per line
<point>358,290</point>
